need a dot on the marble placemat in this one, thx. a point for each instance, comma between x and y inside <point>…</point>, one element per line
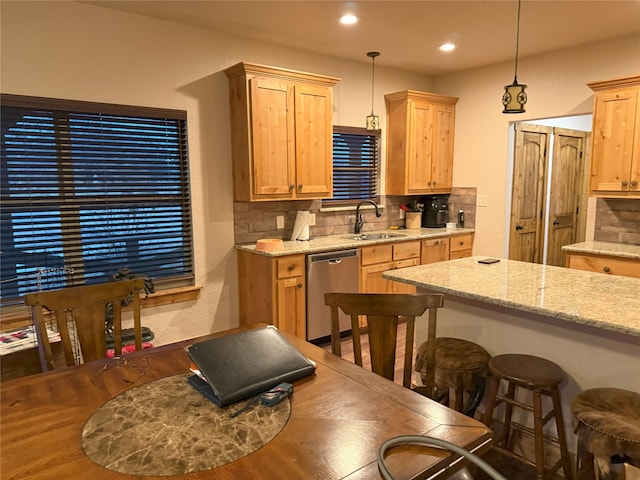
<point>165,427</point>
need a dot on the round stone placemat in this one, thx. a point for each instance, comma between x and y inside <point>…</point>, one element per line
<point>165,427</point>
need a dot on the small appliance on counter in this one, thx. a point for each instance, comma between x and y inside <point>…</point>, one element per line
<point>436,211</point>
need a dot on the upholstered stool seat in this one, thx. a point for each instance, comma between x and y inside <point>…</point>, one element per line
<point>461,365</point>
<point>540,377</point>
<point>607,422</point>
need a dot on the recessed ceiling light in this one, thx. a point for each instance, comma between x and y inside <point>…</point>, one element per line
<point>447,47</point>
<point>348,19</point>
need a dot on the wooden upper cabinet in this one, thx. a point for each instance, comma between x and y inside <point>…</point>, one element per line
<point>615,154</point>
<point>420,135</point>
<point>281,133</point>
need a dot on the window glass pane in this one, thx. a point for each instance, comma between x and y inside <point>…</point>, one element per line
<point>355,165</point>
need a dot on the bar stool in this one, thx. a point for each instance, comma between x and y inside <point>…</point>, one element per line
<point>461,366</point>
<point>541,377</point>
<point>608,426</point>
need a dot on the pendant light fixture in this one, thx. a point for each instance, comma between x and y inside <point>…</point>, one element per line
<point>514,96</point>
<point>373,121</point>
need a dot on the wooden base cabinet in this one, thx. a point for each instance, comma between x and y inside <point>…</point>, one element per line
<point>447,248</point>
<point>420,128</point>
<point>604,264</point>
<point>377,259</point>
<point>273,290</point>
<point>615,153</point>
<point>281,133</point>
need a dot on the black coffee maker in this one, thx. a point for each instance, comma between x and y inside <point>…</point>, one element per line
<point>436,211</point>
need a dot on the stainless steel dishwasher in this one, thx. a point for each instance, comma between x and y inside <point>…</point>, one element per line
<point>329,272</point>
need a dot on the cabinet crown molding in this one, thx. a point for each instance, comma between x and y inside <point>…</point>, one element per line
<point>416,95</point>
<point>244,68</point>
<point>622,82</point>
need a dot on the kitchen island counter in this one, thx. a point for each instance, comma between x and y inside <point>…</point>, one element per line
<point>586,322</point>
<point>588,298</point>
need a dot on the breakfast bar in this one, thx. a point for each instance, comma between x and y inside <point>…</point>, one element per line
<point>588,323</point>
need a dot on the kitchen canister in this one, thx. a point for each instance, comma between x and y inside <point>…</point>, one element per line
<point>412,219</point>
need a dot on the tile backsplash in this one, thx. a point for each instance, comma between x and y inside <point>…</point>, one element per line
<point>256,220</point>
<point>617,220</point>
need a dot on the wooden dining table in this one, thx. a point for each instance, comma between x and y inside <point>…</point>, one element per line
<point>339,418</point>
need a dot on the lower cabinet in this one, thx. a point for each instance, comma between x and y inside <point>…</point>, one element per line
<point>377,259</point>
<point>273,290</point>
<point>604,264</point>
<point>446,248</point>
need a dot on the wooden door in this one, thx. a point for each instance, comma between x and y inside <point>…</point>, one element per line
<point>565,192</point>
<point>527,199</point>
<point>420,147</point>
<point>314,141</point>
<point>272,143</point>
<point>613,136</point>
<point>441,164</point>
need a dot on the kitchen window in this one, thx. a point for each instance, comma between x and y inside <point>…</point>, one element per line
<point>356,160</point>
<point>89,189</point>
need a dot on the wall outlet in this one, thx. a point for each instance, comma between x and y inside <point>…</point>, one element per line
<point>280,222</point>
<point>312,219</point>
<point>482,201</point>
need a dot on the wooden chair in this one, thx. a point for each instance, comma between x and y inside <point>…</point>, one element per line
<point>382,312</point>
<point>84,307</point>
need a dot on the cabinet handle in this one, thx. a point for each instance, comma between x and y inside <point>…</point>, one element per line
<point>606,269</point>
<point>291,187</point>
<point>634,183</point>
<point>625,183</point>
<point>299,285</point>
<point>291,268</point>
<point>300,187</point>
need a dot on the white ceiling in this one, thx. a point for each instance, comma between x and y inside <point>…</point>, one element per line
<point>407,33</point>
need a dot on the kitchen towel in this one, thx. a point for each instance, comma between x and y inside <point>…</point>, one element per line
<point>301,227</point>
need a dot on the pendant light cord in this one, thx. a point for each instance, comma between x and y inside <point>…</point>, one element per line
<point>517,41</point>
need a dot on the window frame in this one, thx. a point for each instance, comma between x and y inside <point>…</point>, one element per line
<point>179,148</point>
<point>375,168</point>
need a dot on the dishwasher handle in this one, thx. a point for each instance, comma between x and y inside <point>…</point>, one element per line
<point>333,258</point>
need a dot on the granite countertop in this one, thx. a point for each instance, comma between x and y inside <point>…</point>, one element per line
<point>623,250</point>
<point>603,301</point>
<point>347,240</point>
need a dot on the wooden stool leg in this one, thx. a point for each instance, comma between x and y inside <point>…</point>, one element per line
<point>538,434</point>
<point>459,399</point>
<point>564,451</point>
<point>584,462</point>
<point>491,400</point>
<point>508,413</point>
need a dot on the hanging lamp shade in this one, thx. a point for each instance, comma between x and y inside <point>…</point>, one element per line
<point>373,121</point>
<point>515,97</point>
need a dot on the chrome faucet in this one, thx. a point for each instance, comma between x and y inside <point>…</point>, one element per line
<point>359,221</point>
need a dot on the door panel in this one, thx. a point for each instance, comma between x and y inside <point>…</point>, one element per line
<point>564,192</point>
<point>527,201</point>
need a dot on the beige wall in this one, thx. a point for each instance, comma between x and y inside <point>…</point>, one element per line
<point>78,51</point>
<point>556,88</point>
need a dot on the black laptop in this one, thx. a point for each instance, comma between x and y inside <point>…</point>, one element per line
<point>248,363</point>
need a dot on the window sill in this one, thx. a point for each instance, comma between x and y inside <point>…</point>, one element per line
<point>18,316</point>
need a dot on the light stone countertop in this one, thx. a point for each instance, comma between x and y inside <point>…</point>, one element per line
<point>623,250</point>
<point>599,300</point>
<point>347,240</point>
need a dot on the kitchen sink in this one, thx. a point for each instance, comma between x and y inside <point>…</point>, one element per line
<point>374,236</point>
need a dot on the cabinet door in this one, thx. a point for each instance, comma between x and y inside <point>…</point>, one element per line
<point>442,149</point>
<point>371,280</point>
<point>314,141</point>
<point>420,147</point>
<point>398,287</point>
<point>291,306</point>
<point>436,250</point>
<point>273,166</point>
<point>614,123</point>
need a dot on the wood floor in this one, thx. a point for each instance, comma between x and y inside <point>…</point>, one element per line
<point>509,468</point>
